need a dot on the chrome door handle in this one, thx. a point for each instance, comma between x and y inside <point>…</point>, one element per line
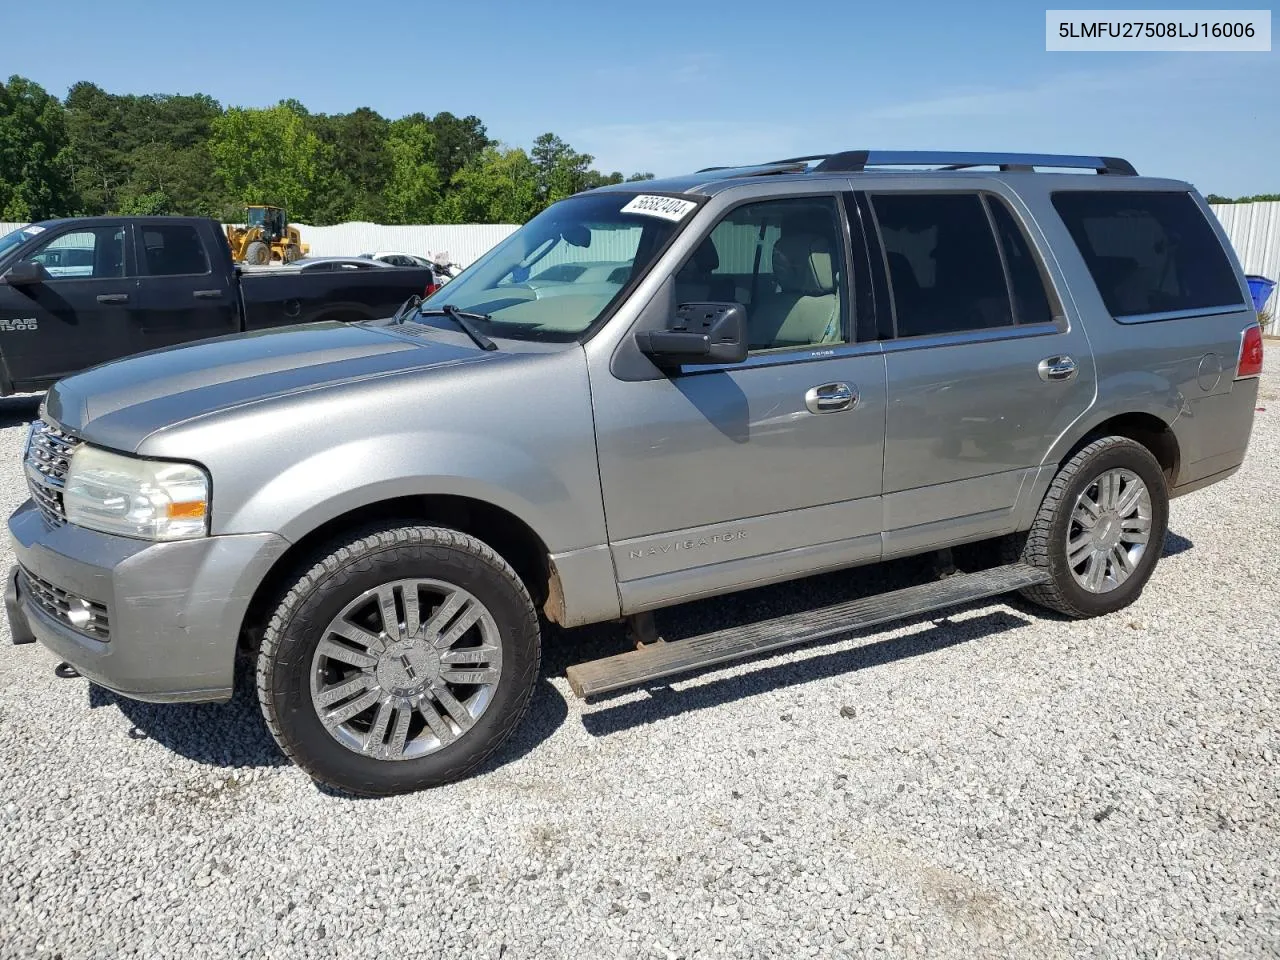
<point>113,298</point>
<point>1057,368</point>
<point>207,294</point>
<point>830,398</point>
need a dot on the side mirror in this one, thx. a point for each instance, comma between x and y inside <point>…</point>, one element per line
<point>26,273</point>
<point>700,333</point>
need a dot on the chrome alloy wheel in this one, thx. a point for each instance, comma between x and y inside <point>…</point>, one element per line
<point>1108,531</point>
<point>405,669</point>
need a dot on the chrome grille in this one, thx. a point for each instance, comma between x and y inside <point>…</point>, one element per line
<point>47,459</point>
<point>84,616</point>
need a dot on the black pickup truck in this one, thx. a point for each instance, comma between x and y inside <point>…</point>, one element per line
<point>85,290</point>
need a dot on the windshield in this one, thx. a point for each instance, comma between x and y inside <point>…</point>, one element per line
<point>16,237</point>
<point>559,273</point>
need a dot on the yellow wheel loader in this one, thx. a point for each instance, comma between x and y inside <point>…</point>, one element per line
<point>266,236</point>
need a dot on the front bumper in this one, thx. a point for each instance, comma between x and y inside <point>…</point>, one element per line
<point>175,608</point>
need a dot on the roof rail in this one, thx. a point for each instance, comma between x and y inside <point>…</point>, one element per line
<point>759,169</point>
<point>856,161</point>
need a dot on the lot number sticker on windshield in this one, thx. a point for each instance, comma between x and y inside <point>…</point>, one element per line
<point>668,208</point>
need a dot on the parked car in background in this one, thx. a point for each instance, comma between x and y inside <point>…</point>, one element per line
<point>768,372</point>
<point>78,292</point>
<point>398,259</point>
<point>319,264</point>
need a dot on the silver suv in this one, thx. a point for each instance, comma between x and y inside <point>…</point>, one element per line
<point>649,393</point>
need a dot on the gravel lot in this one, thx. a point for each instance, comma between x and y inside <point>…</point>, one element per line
<point>997,783</point>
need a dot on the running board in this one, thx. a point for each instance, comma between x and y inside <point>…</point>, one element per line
<point>655,661</point>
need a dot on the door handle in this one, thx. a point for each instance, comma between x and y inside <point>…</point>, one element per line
<point>830,398</point>
<point>1056,368</point>
<point>113,298</point>
<point>207,294</point>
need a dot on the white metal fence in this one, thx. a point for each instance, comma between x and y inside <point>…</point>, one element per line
<point>1254,229</point>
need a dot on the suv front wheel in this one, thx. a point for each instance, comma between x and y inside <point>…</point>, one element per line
<point>1100,529</point>
<point>401,659</point>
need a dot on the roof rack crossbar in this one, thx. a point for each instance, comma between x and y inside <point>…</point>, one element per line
<point>856,161</point>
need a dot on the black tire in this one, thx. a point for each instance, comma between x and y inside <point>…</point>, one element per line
<point>1044,546</point>
<point>258,253</point>
<point>342,572</point>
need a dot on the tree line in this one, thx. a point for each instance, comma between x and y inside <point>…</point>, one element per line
<point>1256,198</point>
<point>96,153</point>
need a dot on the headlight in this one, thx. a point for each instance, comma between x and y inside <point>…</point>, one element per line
<point>150,499</point>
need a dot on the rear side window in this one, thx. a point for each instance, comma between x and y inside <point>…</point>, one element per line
<point>944,266</point>
<point>1030,302</point>
<point>1149,252</point>
<point>173,250</point>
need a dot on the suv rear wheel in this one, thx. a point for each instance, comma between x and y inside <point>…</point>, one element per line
<point>401,659</point>
<point>1100,529</point>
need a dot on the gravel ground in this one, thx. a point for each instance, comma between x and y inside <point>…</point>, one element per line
<point>998,783</point>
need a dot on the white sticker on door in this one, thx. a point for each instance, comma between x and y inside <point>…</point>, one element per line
<point>668,208</point>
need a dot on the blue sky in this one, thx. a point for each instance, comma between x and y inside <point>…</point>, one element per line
<point>667,87</point>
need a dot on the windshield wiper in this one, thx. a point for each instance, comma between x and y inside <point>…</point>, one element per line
<point>463,319</point>
<point>404,309</point>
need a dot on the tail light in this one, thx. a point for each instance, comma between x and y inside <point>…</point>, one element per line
<point>430,288</point>
<point>1250,364</point>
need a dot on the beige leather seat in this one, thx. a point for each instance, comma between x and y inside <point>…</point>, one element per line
<point>806,310</point>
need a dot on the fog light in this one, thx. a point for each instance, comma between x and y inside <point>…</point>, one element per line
<point>78,612</point>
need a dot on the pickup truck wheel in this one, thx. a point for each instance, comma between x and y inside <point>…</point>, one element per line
<point>1100,529</point>
<point>399,660</point>
<point>258,253</point>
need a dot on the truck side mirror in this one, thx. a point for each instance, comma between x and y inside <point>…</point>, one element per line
<point>25,273</point>
<point>699,333</point>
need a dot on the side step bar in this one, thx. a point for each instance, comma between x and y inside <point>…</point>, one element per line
<point>658,660</point>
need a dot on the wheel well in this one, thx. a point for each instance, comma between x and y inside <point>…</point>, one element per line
<point>1150,431</point>
<point>506,533</point>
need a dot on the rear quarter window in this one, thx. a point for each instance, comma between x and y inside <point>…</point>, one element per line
<point>1149,253</point>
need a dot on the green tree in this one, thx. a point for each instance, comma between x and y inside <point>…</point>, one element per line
<point>35,174</point>
<point>353,184</point>
<point>501,186</point>
<point>99,161</point>
<point>458,142</point>
<point>562,171</point>
<point>414,184</point>
<point>150,153</point>
<point>269,156</point>
<point>168,154</point>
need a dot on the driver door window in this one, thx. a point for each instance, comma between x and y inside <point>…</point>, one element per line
<point>96,254</point>
<point>783,261</point>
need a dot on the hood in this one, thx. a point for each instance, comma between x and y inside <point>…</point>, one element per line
<point>119,404</point>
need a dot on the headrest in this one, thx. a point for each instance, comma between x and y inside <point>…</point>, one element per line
<point>802,264</point>
<point>705,259</point>
<point>901,271</point>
